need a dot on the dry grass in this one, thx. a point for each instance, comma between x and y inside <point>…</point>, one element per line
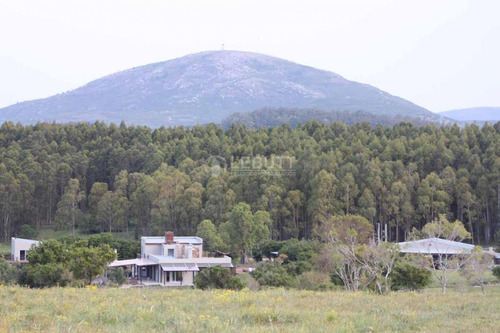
<point>155,309</point>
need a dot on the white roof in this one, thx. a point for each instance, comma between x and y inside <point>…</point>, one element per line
<point>177,239</point>
<point>31,241</point>
<point>180,267</point>
<point>130,262</point>
<point>438,245</point>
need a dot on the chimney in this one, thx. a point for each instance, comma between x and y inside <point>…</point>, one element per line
<point>169,237</point>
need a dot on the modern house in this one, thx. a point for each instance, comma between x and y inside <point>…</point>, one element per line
<point>20,248</point>
<point>170,260</point>
<point>441,247</point>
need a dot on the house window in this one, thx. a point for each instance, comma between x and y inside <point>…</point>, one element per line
<point>176,276</point>
<point>170,253</point>
<point>22,255</point>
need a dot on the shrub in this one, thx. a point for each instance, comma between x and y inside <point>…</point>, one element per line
<point>297,267</point>
<point>298,250</point>
<point>117,275</point>
<point>217,278</point>
<point>8,273</point>
<point>314,280</point>
<point>273,275</point>
<point>27,231</point>
<point>47,275</point>
<point>496,272</point>
<point>407,276</point>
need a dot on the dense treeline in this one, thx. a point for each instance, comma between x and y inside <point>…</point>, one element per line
<point>275,117</point>
<point>98,177</point>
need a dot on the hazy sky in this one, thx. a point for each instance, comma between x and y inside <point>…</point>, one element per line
<point>439,54</point>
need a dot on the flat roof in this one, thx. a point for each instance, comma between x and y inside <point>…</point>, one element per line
<point>130,262</point>
<point>439,245</point>
<point>32,241</point>
<point>178,239</point>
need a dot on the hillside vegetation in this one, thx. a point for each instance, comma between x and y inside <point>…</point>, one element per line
<point>293,117</point>
<point>120,310</point>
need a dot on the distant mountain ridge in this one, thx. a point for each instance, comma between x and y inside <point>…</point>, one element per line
<point>480,114</point>
<point>207,87</point>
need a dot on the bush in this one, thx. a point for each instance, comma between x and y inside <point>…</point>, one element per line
<point>314,280</point>
<point>496,272</point>
<point>297,267</point>
<point>298,250</point>
<point>47,275</point>
<point>117,275</point>
<point>217,278</point>
<point>265,248</point>
<point>273,275</point>
<point>28,232</point>
<point>407,276</point>
<point>8,273</point>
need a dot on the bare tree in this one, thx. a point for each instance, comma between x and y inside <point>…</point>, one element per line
<point>378,261</point>
<point>476,265</point>
<point>441,262</point>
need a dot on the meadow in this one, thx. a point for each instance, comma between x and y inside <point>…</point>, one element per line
<point>279,310</point>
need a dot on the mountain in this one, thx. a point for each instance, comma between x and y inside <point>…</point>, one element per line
<point>479,114</point>
<point>276,117</point>
<point>207,87</point>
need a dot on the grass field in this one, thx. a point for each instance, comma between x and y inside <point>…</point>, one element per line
<point>278,310</point>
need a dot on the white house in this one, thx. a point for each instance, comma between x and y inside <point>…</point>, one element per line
<point>438,246</point>
<point>171,261</point>
<point>20,248</point>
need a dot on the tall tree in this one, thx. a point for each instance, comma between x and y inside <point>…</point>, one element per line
<point>68,213</point>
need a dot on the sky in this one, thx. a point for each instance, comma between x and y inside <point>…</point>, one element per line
<point>439,54</point>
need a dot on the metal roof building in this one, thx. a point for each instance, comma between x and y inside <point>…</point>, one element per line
<point>434,246</point>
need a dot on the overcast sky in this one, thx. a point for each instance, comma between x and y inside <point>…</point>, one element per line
<point>439,54</point>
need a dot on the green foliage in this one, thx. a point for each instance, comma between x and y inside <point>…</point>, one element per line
<point>496,272</point>
<point>217,277</point>
<point>136,181</point>
<point>48,252</point>
<point>55,263</point>
<point>88,262</point>
<point>442,228</point>
<point>212,240</point>
<point>345,228</point>
<point>28,232</point>
<point>126,249</point>
<point>246,229</point>
<point>265,248</point>
<point>46,275</point>
<point>117,275</point>
<point>314,280</point>
<point>8,273</point>
<point>296,250</point>
<point>407,276</point>
<point>273,275</point>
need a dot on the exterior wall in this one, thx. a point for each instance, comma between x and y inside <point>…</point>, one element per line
<point>187,278</point>
<point>154,249</point>
<point>19,245</point>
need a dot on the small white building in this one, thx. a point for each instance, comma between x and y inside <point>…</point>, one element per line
<point>20,248</point>
<point>171,261</point>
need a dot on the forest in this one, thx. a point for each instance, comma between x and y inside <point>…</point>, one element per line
<point>269,117</point>
<point>91,178</point>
